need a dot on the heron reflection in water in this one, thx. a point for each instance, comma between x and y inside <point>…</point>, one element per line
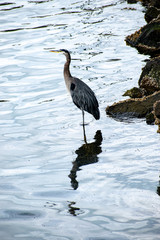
<point>86,154</point>
<point>158,189</point>
<point>82,95</point>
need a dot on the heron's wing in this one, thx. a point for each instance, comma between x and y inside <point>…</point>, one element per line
<point>84,98</point>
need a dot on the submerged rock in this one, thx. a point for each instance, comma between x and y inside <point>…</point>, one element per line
<point>139,107</point>
<point>147,39</point>
<point>150,76</point>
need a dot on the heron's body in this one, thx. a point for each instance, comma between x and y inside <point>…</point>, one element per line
<point>82,95</point>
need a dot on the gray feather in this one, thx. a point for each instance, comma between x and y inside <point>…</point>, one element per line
<point>84,98</point>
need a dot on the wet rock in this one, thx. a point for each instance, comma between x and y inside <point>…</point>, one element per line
<point>149,84</point>
<point>132,1</point>
<point>156,108</point>
<point>150,76</point>
<point>156,111</point>
<point>135,92</point>
<point>150,119</point>
<point>145,2</point>
<point>147,39</point>
<point>139,107</point>
<point>155,3</point>
<point>151,13</point>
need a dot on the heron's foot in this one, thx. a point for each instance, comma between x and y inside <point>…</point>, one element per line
<point>84,124</point>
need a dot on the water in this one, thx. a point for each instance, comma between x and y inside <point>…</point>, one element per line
<point>52,185</point>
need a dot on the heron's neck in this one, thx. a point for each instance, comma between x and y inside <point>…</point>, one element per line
<point>66,71</point>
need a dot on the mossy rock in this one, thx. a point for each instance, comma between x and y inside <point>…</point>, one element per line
<point>156,109</point>
<point>150,76</point>
<point>156,112</point>
<point>139,107</point>
<point>151,13</point>
<point>146,40</point>
<point>155,3</point>
<point>148,3</point>
<point>135,92</point>
<point>150,119</point>
<point>132,1</point>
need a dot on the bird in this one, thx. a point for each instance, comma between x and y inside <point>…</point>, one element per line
<point>82,95</point>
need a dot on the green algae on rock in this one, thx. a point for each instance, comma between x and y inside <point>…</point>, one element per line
<point>135,92</point>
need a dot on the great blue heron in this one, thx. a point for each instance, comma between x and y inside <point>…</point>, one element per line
<point>82,96</point>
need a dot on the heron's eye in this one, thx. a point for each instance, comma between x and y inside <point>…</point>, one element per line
<point>72,86</point>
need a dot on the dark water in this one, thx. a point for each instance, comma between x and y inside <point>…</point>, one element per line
<point>52,185</point>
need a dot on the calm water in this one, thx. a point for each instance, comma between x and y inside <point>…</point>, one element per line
<point>52,185</point>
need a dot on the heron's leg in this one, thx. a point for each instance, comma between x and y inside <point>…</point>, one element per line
<point>83,117</point>
<point>84,133</point>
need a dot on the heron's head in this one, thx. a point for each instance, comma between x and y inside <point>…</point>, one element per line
<point>64,51</point>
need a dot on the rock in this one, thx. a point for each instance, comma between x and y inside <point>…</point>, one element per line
<point>149,84</point>
<point>150,119</point>
<point>139,107</point>
<point>147,39</point>
<point>155,3</point>
<point>132,1</point>
<point>151,13</point>
<point>156,111</point>
<point>135,92</point>
<point>150,76</point>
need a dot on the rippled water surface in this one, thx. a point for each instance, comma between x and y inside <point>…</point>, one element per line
<point>52,185</point>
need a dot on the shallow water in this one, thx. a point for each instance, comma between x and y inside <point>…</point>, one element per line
<point>52,185</point>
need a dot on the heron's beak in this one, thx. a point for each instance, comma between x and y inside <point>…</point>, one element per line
<point>56,51</point>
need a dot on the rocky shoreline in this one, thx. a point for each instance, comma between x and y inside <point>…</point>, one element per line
<point>144,100</point>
